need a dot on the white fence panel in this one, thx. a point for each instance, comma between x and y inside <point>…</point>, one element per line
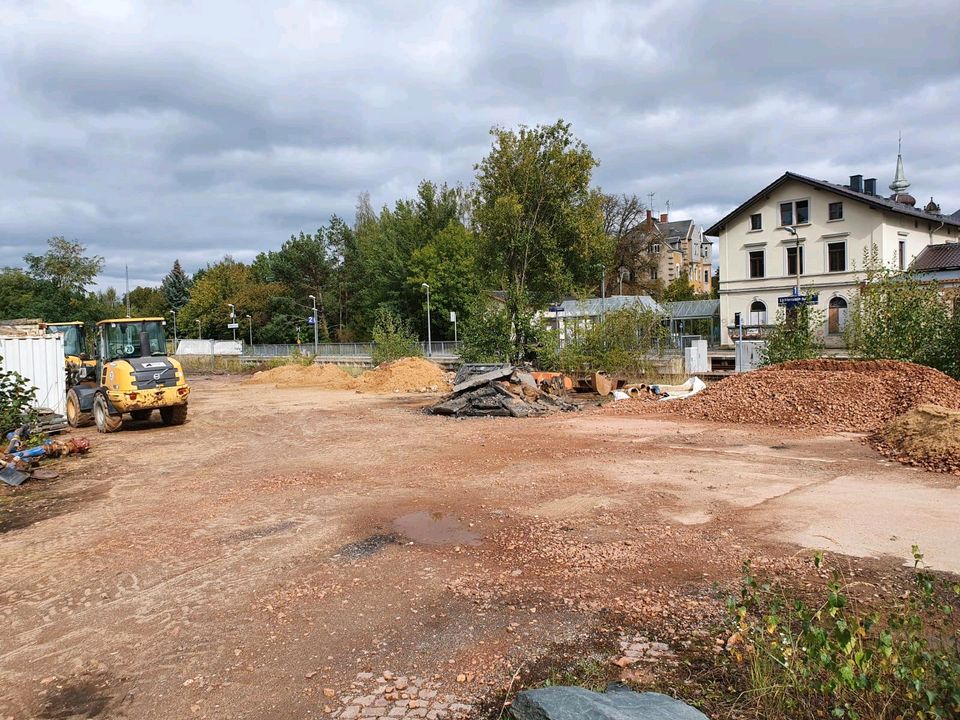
<point>40,360</point>
<point>209,347</point>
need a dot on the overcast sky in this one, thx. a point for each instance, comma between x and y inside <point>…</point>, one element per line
<point>155,130</point>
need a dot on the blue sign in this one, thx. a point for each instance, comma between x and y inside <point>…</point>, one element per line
<point>310,320</point>
<point>555,309</point>
<point>795,300</point>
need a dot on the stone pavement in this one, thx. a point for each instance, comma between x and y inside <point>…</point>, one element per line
<point>396,697</point>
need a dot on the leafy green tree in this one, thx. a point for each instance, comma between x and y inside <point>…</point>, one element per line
<point>541,226</point>
<point>16,400</point>
<point>176,286</point>
<point>621,344</point>
<point>797,334</point>
<point>679,289</point>
<point>148,302</point>
<point>896,316</point>
<point>65,265</point>
<point>392,338</point>
<point>485,332</point>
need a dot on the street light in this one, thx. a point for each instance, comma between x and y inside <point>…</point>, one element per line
<point>316,338</point>
<point>233,318</point>
<point>199,334</point>
<point>250,320</point>
<point>174,313</point>
<point>621,271</point>
<point>426,287</point>
<point>793,231</point>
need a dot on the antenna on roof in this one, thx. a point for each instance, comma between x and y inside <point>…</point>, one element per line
<point>650,206</point>
<point>668,206</point>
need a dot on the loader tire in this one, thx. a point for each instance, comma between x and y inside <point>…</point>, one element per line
<point>75,416</point>
<point>140,415</point>
<point>106,423</point>
<point>174,415</point>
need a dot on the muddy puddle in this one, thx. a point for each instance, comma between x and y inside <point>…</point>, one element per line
<point>435,528</point>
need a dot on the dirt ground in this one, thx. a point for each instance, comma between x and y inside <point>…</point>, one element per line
<point>303,553</point>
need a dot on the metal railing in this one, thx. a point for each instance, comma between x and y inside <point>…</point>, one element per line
<point>443,348</point>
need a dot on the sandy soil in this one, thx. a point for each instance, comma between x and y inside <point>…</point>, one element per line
<point>259,560</point>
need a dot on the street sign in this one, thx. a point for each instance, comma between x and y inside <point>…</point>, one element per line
<point>310,320</point>
<point>794,300</point>
<point>232,326</point>
<point>557,309</point>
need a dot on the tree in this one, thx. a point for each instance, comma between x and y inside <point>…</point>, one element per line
<point>679,289</point>
<point>176,287</point>
<point>485,333</point>
<point>148,302</point>
<point>620,344</point>
<point>633,239</point>
<point>796,335</point>
<point>541,227</point>
<point>65,265</point>
<point>392,338</point>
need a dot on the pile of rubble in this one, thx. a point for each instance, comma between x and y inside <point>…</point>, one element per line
<point>927,436</point>
<point>498,390</point>
<point>845,395</point>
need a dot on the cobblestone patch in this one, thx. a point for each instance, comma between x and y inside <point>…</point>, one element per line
<point>396,697</point>
<point>639,649</point>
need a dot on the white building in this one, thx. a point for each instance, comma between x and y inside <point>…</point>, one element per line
<point>836,226</point>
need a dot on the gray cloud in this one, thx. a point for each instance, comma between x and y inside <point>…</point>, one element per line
<point>151,131</point>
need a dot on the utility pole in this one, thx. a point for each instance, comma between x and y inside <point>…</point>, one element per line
<point>233,320</point>
<point>126,274</point>
<point>316,336</point>
<point>174,313</point>
<point>199,331</point>
<point>250,320</point>
<point>793,231</point>
<point>426,287</point>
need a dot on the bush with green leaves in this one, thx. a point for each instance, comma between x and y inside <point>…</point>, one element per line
<point>621,344</point>
<point>485,333</point>
<point>834,656</point>
<point>796,335</point>
<point>17,397</point>
<point>392,338</point>
<point>897,316</point>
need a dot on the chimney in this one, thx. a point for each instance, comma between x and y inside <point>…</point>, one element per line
<point>649,218</point>
<point>664,217</point>
<point>856,183</point>
<point>870,186</point>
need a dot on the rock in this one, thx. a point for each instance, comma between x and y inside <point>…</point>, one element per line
<point>329,692</point>
<point>617,703</point>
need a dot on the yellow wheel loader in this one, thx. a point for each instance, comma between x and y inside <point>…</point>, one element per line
<point>133,376</point>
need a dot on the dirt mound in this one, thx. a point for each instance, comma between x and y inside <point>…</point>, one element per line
<point>329,377</point>
<point>858,396</point>
<point>927,436</point>
<point>405,375</point>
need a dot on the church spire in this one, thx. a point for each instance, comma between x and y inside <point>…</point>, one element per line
<point>899,184</point>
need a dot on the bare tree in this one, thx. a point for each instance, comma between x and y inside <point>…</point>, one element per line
<point>624,218</point>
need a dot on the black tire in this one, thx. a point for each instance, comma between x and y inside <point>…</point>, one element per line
<point>174,415</point>
<point>75,417</point>
<point>140,415</point>
<point>106,423</point>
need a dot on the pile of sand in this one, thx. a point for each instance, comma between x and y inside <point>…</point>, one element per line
<point>858,396</point>
<point>927,436</point>
<point>329,377</point>
<point>405,375</point>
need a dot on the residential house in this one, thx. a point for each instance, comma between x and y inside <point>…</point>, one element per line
<point>663,250</point>
<point>816,234</point>
<point>941,264</point>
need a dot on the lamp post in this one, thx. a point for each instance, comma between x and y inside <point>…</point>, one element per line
<point>316,337</point>
<point>793,231</point>
<point>174,313</point>
<point>250,320</point>
<point>199,332</point>
<point>621,271</point>
<point>233,319</point>
<point>426,287</point>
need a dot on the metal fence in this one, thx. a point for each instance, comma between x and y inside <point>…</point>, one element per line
<point>443,348</point>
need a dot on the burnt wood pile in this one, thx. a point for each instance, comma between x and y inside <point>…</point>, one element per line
<point>498,390</point>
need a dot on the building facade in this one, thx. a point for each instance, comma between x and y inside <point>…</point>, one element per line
<point>830,229</point>
<point>668,249</point>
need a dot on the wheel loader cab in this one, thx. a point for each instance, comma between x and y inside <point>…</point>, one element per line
<point>134,377</point>
<point>79,365</point>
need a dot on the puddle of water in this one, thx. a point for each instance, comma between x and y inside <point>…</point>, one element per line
<point>364,548</point>
<point>435,528</point>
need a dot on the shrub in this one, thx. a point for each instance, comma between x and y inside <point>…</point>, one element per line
<point>836,657</point>
<point>621,344</point>
<point>795,336</point>
<point>485,334</point>
<point>16,401</point>
<point>392,338</point>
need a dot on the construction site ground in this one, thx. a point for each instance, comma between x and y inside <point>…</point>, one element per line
<point>297,553</point>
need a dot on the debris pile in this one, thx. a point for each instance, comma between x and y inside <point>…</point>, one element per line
<point>498,390</point>
<point>20,458</point>
<point>844,395</point>
<point>328,376</point>
<point>927,436</point>
<point>410,374</point>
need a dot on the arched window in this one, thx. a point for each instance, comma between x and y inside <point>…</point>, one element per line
<point>758,313</point>
<point>837,315</point>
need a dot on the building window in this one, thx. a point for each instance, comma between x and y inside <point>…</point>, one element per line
<point>835,211</point>
<point>837,256</point>
<point>902,254</point>
<point>756,263</point>
<point>653,274</point>
<point>796,212</point>
<point>706,276</point>
<point>837,316</point>
<point>792,260</point>
<point>656,248</point>
<point>756,222</point>
<point>758,313</point>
